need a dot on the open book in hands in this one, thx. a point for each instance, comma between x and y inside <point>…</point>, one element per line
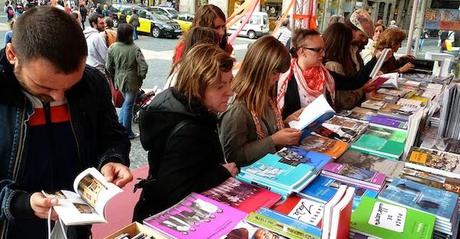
<point>86,206</point>
<point>389,80</point>
<point>318,110</point>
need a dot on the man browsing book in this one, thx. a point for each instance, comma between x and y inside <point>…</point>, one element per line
<point>57,120</point>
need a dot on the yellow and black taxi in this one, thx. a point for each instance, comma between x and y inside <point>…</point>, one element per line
<point>151,23</point>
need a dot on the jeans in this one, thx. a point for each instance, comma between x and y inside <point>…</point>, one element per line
<point>135,37</point>
<point>125,116</point>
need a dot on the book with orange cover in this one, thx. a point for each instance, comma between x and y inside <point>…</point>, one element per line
<point>331,147</point>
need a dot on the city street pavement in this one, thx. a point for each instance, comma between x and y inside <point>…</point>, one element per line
<point>158,54</point>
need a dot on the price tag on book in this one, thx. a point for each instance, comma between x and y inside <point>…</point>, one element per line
<point>388,216</point>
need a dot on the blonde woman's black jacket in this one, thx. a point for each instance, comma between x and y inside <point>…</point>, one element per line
<point>184,152</point>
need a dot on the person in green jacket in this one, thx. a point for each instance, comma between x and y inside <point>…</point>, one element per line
<point>126,63</point>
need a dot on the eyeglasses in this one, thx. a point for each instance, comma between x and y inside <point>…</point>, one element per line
<point>315,49</point>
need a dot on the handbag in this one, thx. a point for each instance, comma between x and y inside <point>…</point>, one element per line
<point>117,96</point>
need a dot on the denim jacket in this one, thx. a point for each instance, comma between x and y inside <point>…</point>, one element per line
<point>100,138</point>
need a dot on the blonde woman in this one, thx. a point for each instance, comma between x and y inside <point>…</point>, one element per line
<point>253,126</point>
<point>179,131</point>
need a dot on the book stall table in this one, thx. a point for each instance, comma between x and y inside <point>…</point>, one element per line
<point>387,169</point>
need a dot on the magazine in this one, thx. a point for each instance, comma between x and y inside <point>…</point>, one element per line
<point>85,205</point>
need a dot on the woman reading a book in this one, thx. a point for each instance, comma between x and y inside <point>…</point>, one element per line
<point>392,38</point>
<point>179,131</point>
<point>307,78</point>
<point>253,126</point>
<point>351,83</point>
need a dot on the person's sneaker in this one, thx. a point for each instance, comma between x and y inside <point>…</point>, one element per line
<point>133,136</point>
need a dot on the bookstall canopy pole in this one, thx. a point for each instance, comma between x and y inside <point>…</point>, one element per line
<point>420,23</point>
<point>411,27</point>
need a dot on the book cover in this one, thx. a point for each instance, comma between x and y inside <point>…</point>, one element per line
<point>87,203</point>
<point>382,141</point>
<point>302,209</point>
<point>295,155</point>
<point>355,174</point>
<point>391,168</point>
<point>372,104</point>
<point>376,218</point>
<point>246,230</point>
<point>275,226</point>
<point>420,197</point>
<point>358,113</point>
<point>434,161</point>
<point>324,188</point>
<point>263,183</point>
<point>348,129</point>
<point>397,111</point>
<point>385,98</point>
<point>393,92</point>
<point>341,215</point>
<point>442,144</point>
<point>388,121</point>
<point>196,216</point>
<point>243,196</point>
<point>305,227</point>
<point>432,180</point>
<point>278,171</point>
<point>330,147</point>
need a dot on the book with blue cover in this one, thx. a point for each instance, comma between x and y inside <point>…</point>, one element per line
<point>438,202</point>
<point>278,171</point>
<point>323,188</point>
<point>296,155</point>
<point>310,229</point>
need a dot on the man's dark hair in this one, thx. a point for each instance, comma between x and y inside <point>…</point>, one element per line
<point>109,23</point>
<point>93,18</point>
<point>125,33</point>
<point>60,41</point>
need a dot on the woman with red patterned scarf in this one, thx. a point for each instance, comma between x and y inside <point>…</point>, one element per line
<point>307,78</point>
<point>253,126</point>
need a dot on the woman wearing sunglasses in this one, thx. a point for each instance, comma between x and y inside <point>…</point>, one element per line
<point>306,78</point>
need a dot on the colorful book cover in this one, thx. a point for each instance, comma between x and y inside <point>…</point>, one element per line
<point>275,226</point>
<point>331,147</point>
<point>279,172</point>
<point>388,121</point>
<point>310,229</point>
<point>376,218</point>
<point>341,214</point>
<point>246,230</point>
<point>295,155</point>
<point>397,111</point>
<point>243,196</point>
<point>382,141</point>
<point>420,197</point>
<point>434,161</point>
<point>262,183</point>
<point>196,216</point>
<point>302,209</point>
<point>323,188</point>
<point>391,168</point>
<point>355,174</point>
<point>358,113</point>
<point>385,98</point>
<point>432,180</point>
<point>348,129</point>
<point>372,104</point>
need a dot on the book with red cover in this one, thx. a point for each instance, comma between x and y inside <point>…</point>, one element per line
<point>243,196</point>
<point>341,215</point>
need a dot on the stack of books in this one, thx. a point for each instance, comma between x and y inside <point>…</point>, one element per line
<point>353,175</point>
<point>384,142</point>
<point>434,161</point>
<point>288,171</point>
<point>439,203</point>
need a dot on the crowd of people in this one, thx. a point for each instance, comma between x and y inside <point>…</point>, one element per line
<point>59,117</point>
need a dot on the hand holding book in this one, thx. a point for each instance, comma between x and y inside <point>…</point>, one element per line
<point>41,205</point>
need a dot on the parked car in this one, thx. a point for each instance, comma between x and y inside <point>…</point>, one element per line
<point>257,26</point>
<point>183,19</point>
<point>151,23</point>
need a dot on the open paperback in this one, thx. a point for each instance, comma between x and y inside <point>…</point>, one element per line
<point>85,205</point>
<point>379,63</point>
<point>318,110</point>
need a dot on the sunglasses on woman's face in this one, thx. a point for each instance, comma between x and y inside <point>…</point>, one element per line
<point>315,49</point>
